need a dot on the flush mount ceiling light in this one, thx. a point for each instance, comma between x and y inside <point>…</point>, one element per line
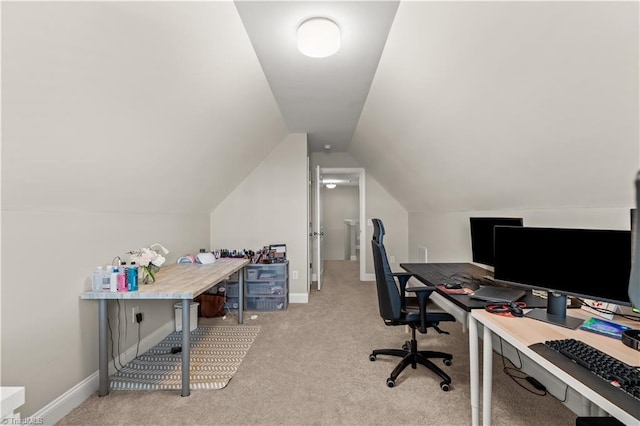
<point>318,37</point>
<point>330,185</point>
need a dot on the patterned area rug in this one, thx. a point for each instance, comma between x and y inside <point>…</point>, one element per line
<point>216,353</point>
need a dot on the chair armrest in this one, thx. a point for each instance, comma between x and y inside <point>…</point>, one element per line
<point>423,294</point>
<point>403,278</point>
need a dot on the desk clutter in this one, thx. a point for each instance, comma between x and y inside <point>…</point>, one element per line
<point>266,282</point>
<point>273,253</point>
<point>119,277</point>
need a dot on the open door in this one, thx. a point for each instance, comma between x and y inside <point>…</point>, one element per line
<point>309,230</point>
<point>318,232</point>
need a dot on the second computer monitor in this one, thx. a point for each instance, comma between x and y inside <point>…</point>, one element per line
<point>482,236</point>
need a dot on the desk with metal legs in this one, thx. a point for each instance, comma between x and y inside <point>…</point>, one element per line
<point>460,306</point>
<point>523,332</point>
<point>182,281</point>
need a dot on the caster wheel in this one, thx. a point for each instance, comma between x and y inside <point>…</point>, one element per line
<point>447,362</point>
<point>391,383</point>
<point>405,347</point>
<point>445,386</point>
<point>372,357</point>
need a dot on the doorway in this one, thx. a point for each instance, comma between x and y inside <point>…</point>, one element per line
<point>354,177</point>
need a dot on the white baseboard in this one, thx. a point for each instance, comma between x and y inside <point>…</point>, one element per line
<point>353,258</point>
<point>298,298</point>
<point>368,277</point>
<point>62,405</point>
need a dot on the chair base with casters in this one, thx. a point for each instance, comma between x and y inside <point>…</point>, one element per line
<point>412,356</point>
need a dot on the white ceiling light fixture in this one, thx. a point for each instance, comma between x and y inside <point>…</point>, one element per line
<point>330,185</point>
<point>318,37</point>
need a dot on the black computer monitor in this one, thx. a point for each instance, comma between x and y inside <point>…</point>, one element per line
<point>482,236</point>
<point>589,263</point>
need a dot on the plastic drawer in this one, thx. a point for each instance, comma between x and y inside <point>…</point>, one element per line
<point>272,288</point>
<point>266,303</point>
<point>276,271</point>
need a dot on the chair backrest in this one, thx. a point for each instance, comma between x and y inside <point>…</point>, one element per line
<point>389,300</point>
<point>378,230</point>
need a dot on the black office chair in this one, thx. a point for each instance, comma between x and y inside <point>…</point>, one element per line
<point>391,301</point>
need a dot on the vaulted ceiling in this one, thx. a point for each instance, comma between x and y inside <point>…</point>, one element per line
<point>451,106</point>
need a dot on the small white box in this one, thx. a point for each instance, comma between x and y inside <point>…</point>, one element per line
<point>193,316</point>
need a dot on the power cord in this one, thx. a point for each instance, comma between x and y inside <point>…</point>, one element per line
<point>111,336</point>
<point>516,373</point>
<point>608,311</point>
<point>531,380</point>
<point>119,334</point>
<point>139,321</point>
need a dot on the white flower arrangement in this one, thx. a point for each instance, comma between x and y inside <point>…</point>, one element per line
<point>146,257</point>
<point>149,259</point>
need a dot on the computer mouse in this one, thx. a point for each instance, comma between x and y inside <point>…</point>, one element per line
<point>516,310</point>
<point>452,286</point>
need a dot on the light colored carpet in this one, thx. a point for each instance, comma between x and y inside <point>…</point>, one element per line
<point>216,354</point>
<point>309,365</point>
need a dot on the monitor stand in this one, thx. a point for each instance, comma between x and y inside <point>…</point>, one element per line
<point>556,312</point>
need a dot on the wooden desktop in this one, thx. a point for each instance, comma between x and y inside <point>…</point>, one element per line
<point>511,329</point>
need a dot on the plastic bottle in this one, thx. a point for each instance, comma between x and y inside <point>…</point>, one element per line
<point>96,284</point>
<point>106,278</point>
<point>132,277</point>
<point>122,278</point>
<point>113,281</point>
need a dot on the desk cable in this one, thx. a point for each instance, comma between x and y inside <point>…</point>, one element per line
<point>138,344</point>
<point>112,345</point>
<point>608,311</point>
<point>516,374</point>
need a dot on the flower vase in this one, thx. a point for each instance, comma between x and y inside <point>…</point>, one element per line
<point>148,276</point>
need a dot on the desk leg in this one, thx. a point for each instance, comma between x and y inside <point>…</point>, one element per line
<point>103,353</point>
<point>240,294</point>
<point>487,375</point>
<point>474,370</point>
<point>186,346</point>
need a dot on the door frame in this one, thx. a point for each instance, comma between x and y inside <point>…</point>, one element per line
<point>362,226</point>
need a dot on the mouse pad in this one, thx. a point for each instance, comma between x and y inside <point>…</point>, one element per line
<point>462,290</point>
<point>606,328</point>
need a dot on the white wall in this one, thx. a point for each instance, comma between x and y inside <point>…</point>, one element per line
<point>502,105</point>
<point>381,205</point>
<point>338,204</point>
<point>269,207</point>
<point>134,106</point>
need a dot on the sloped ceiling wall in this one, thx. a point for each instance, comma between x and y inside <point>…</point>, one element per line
<point>130,106</point>
<point>489,106</point>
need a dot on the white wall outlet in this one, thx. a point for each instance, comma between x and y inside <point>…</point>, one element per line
<point>392,259</point>
<point>294,275</point>
<point>134,311</point>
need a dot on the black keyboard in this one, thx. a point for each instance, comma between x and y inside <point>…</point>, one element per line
<point>612,378</point>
